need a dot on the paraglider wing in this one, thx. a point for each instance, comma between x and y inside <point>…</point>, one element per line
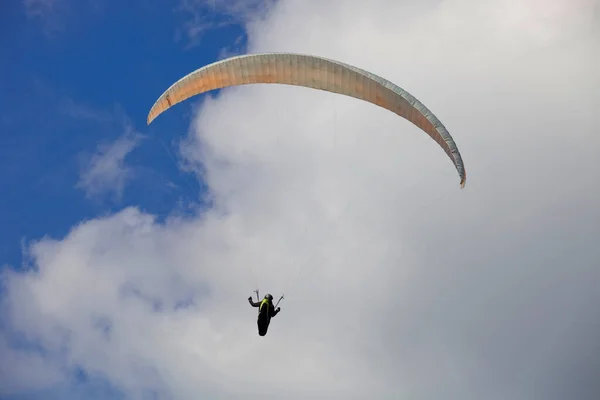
<point>313,72</point>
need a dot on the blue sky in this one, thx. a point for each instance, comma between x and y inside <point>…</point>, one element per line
<point>80,78</point>
<point>80,75</point>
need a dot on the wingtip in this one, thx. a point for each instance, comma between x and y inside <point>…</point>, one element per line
<point>150,117</point>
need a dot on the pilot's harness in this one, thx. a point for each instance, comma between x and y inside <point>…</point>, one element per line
<point>265,300</point>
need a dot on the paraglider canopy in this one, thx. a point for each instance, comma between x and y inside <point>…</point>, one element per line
<point>317,73</point>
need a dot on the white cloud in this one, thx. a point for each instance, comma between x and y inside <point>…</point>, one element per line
<point>408,286</point>
<point>24,370</point>
<point>203,15</point>
<point>106,171</point>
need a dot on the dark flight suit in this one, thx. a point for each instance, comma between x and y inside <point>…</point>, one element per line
<point>266,311</point>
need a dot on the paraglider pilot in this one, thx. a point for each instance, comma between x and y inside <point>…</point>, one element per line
<point>266,311</point>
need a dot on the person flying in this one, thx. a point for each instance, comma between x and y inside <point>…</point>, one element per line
<point>266,311</point>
